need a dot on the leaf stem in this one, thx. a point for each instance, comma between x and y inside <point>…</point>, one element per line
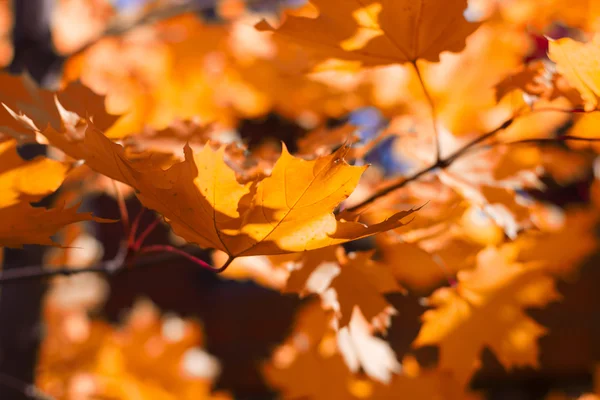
<point>122,208</point>
<point>227,264</point>
<point>140,240</point>
<point>156,248</point>
<point>436,139</point>
<point>134,228</point>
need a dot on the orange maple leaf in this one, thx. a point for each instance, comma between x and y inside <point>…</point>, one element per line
<point>380,32</point>
<point>22,182</point>
<point>32,179</point>
<point>486,309</point>
<point>24,224</point>
<point>310,352</point>
<point>356,280</point>
<point>28,109</point>
<point>539,81</point>
<point>578,63</point>
<point>314,347</point>
<point>289,211</point>
<point>140,359</point>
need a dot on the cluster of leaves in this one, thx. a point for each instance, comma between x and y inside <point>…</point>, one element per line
<point>468,125</point>
<point>149,357</point>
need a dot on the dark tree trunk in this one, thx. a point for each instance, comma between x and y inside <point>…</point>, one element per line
<point>20,303</point>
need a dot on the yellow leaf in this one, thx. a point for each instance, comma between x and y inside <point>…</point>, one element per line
<point>358,282</point>
<point>579,63</point>
<point>22,182</point>
<point>27,108</point>
<point>36,178</point>
<point>289,211</point>
<point>486,309</point>
<point>24,224</point>
<point>380,32</point>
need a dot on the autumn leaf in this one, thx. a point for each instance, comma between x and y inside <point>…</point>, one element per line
<point>528,78</point>
<point>149,356</point>
<point>345,283</point>
<point>485,309</point>
<point>183,68</point>
<point>535,16</point>
<point>24,224</point>
<point>22,182</point>
<point>27,108</point>
<point>380,32</point>
<point>310,352</point>
<point>576,232</point>
<point>315,344</point>
<point>33,179</point>
<point>578,62</point>
<point>326,378</point>
<point>289,211</point>
<point>539,81</point>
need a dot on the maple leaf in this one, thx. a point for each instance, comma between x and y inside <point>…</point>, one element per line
<point>314,342</point>
<point>27,108</point>
<point>24,224</point>
<point>346,283</point>
<point>33,179</point>
<point>183,68</point>
<point>438,257</point>
<point>578,63</point>
<point>575,232</point>
<point>527,78</point>
<point>380,32</point>
<point>353,287</point>
<point>289,211</point>
<point>538,80</point>
<point>324,378</point>
<point>310,352</point>
<point>150,356</point>
<point>486,309</point>
<point>360,348</point>
<point>22,182</point>
<point>534,15</point>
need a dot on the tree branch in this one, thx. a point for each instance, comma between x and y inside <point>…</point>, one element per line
<point>442,164</point>
<point>564,138</point>
<point>124,259</point>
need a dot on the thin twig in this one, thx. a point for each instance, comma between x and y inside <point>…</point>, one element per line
<point>224,266</point>
<point>142,238</point>
<point>460,152</point>
<point>442,164</point>
<point>122,208</point>
<point>131,235</point>
<point>108,267</point>
<point>160,248</point>
<point>563,138</point>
